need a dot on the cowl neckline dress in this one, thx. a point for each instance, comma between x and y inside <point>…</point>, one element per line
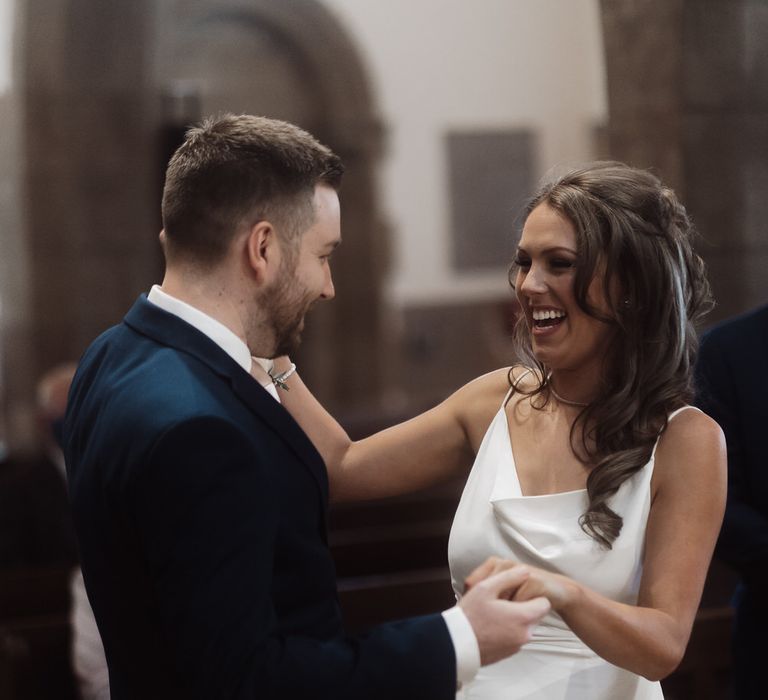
<point>495,518</point>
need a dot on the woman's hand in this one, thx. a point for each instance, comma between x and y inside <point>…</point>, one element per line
<point>561,591</point>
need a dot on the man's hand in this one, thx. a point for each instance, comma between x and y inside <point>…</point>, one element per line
<point>491,566</point>
<point>500,625</point>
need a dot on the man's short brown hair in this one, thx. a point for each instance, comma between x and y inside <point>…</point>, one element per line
<point>235,170</point>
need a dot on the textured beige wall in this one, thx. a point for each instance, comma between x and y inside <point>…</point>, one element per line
<point>688,95</point>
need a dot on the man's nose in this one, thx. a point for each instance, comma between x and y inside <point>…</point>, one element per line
<point>328,291</point>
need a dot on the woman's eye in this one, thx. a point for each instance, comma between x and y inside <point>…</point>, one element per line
<point>562,264</point>
<point>522,262</point>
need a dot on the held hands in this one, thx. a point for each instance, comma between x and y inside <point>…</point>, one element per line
<point>560,591</point>
<point>500,625</point>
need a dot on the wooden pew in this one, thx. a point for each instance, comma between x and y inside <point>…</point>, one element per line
<point>392,556</point>
<point>704,673</point>
<point>369,600</point>
<point>35,635</point>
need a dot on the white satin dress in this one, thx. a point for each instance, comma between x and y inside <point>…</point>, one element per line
<point>494,518</point>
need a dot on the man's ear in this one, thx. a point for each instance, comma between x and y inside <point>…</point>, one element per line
<point>263,250</point>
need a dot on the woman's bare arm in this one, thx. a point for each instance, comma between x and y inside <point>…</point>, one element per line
<point>423,451</point>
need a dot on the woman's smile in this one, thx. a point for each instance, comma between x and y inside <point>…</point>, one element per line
<point>546,320</point>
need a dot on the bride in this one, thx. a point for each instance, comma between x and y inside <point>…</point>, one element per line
<point>584,462</point>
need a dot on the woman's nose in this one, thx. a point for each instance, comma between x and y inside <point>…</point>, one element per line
<point>533,282</point>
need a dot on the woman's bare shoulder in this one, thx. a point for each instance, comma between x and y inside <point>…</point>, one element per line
<point>691,446</point>
<point>690,427</point>
<point>498,382</point>
<point>481,398</point>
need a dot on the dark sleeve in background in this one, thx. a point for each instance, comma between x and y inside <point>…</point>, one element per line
<point>731,373</point>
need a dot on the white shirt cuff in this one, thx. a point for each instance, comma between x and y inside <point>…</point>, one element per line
<point>464,644</point>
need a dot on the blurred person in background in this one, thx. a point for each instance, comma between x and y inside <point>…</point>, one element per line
<point>732,386</point>
<point>35,522</point>
<point>38,552</point>
<point>88,661</point>
<point>36,530</point>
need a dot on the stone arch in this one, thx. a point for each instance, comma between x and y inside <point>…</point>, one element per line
<point>91,111</point>
<point>322,62</point>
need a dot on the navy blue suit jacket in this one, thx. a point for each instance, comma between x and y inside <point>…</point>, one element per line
<point>732,386</point>
<point>200,508</point>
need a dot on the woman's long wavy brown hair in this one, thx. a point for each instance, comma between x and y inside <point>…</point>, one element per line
<point>633,227</point>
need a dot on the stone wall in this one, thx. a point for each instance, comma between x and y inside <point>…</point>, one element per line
<point>688,96</point>
<point>84,132</point>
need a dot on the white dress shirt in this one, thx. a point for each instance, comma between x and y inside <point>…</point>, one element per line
<point>462,635</point>
<point>227,340</point>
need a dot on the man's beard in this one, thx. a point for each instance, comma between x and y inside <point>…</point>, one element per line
<point>285,304</point>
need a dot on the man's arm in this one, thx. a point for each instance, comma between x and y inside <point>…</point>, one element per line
<point>207,513</point>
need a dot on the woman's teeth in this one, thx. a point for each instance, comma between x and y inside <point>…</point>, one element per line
<point>548,317</point>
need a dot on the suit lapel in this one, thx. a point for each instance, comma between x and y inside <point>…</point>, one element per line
<point>167,329</point>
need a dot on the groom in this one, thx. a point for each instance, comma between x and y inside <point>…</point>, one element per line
<point>199,503</point>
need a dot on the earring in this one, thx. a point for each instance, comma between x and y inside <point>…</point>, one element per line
<point>626,303</point>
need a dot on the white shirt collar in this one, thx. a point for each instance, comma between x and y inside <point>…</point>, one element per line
<point>226,339</point>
